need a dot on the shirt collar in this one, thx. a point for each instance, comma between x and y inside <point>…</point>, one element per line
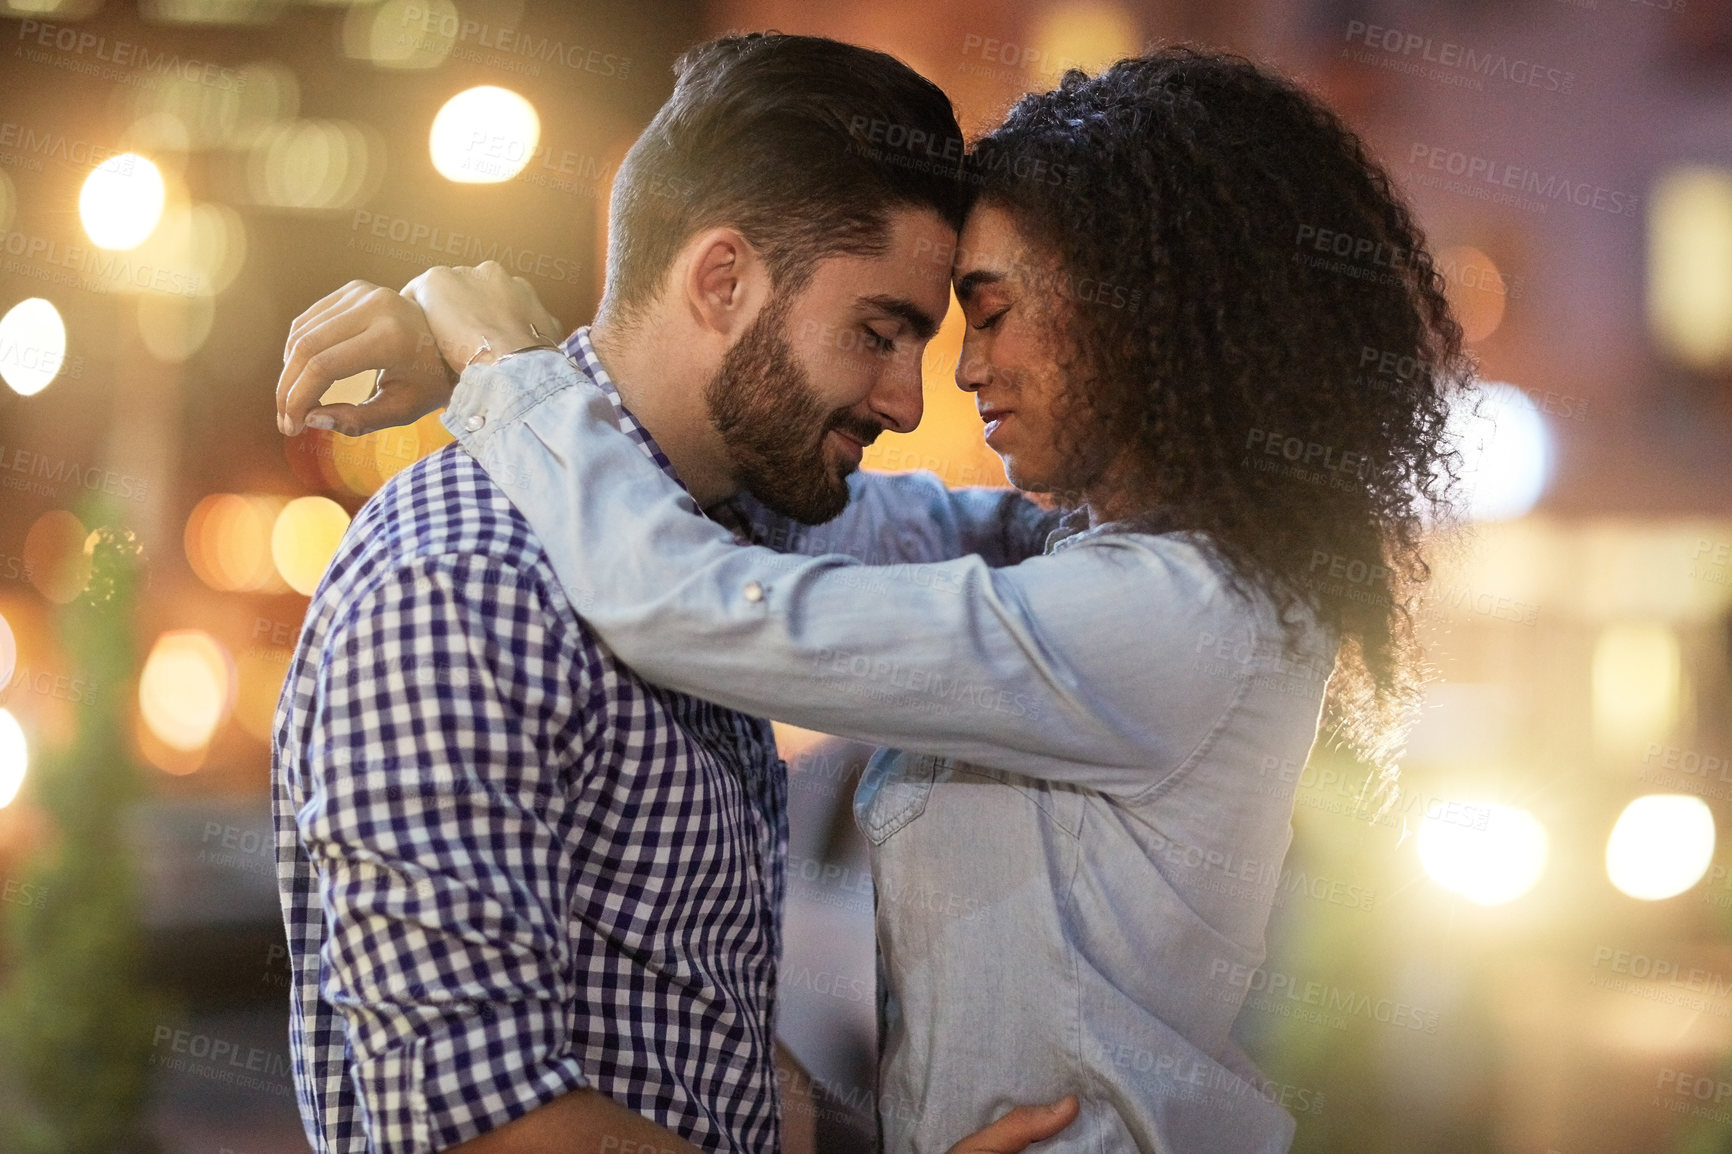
<point>582,354</point>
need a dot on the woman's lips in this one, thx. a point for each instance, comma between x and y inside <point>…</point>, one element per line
<point>995,421</point>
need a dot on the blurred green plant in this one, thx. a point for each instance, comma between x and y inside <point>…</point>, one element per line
<point>75,1016</point>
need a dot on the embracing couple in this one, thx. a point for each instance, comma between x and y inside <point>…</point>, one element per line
<point>531,818</point>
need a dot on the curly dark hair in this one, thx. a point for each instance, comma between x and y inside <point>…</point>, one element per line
<point>1263,342</point>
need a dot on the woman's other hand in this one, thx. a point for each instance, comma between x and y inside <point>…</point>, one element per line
<point>361,326</point>
<point>479,314</point>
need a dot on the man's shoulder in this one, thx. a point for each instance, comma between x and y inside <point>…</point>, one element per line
<point>442,511</point>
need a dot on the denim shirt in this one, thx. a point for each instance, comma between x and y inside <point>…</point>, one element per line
<point>1076,861</point>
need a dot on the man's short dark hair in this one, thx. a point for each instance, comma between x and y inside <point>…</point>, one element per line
<point>802,143</point>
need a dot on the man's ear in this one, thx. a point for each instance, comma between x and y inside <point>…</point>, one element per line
<point>725,282</point>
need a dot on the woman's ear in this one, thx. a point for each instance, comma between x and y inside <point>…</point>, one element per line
<point>724,282</point>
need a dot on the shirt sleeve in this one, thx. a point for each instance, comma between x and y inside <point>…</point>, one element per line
<point>433,820</point>
<point>904,518</point>
<point>1079,666</point>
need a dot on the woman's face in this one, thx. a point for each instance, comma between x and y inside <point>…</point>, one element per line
<point>1011,348</point>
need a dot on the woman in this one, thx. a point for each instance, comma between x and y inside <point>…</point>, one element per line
<point>1061,855</point>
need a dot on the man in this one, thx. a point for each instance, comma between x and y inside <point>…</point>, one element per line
<point>533,903</point>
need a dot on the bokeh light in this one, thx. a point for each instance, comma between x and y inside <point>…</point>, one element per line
<point>1690,265</point>
<point>186,689</point>
<point>32,346</point>
<point>314,165</point>
<point>173,328</point>
<point>228,542</point>
<point>57,556</point>
<point>1475,288</point>
<point>197,250</point>
<point>305,538</point>
<point>14,757</point>
<point>484,135</point>
<point>122,201</point>
<point>1505,452</point>
<point>1636,686</point>
<point>401,33</point>
<point>1661,845</point>
<point>1489,861</point>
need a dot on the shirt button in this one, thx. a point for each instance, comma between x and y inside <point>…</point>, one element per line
<point>754,591</point>
<point>474,423</point>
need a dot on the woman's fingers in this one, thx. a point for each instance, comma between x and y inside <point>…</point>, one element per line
<point>318,309</point>
<point>369,349</point>
<point>1020,1128</point>
<point>399,402</point>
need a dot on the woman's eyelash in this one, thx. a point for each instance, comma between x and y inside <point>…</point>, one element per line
<point>990,321</point>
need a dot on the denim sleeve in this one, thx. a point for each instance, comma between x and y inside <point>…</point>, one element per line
<point>1077,666</point>
<point>908,518</point>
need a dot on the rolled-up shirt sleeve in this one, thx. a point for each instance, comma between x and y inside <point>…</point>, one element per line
<point>434,817</point>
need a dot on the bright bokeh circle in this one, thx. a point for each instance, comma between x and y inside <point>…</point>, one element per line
<point>1660,846</point>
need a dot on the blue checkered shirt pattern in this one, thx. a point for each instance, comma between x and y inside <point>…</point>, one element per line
<point>509,867</point>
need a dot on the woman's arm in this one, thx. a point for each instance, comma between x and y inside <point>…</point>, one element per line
<point>1079,666</point>
<point>905,518</point>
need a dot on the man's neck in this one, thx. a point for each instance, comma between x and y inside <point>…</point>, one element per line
<point>665,393</point>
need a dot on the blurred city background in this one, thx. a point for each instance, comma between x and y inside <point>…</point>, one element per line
<point>1531,952</point>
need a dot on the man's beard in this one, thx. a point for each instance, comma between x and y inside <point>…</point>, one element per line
<point>773,423</point>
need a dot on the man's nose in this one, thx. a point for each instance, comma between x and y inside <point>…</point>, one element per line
<point>899,399</point>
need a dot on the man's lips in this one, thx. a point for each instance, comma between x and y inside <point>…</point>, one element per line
<point>853,445</point>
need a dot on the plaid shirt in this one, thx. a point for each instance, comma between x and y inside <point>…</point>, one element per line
<point>510,868</point>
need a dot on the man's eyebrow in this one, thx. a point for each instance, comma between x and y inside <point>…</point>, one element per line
<point>973,281</point>
<point>922,322</point>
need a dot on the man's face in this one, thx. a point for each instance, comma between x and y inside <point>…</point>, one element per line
<point>816,377</point>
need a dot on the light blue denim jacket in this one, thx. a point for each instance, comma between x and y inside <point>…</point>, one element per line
<point>1075,870</point>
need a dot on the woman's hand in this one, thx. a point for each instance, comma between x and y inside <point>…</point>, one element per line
<point>479,314</point>
<point>1020,1127</point>
<point>361,326</point>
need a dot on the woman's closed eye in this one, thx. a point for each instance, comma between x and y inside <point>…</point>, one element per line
<point>987,324</point>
